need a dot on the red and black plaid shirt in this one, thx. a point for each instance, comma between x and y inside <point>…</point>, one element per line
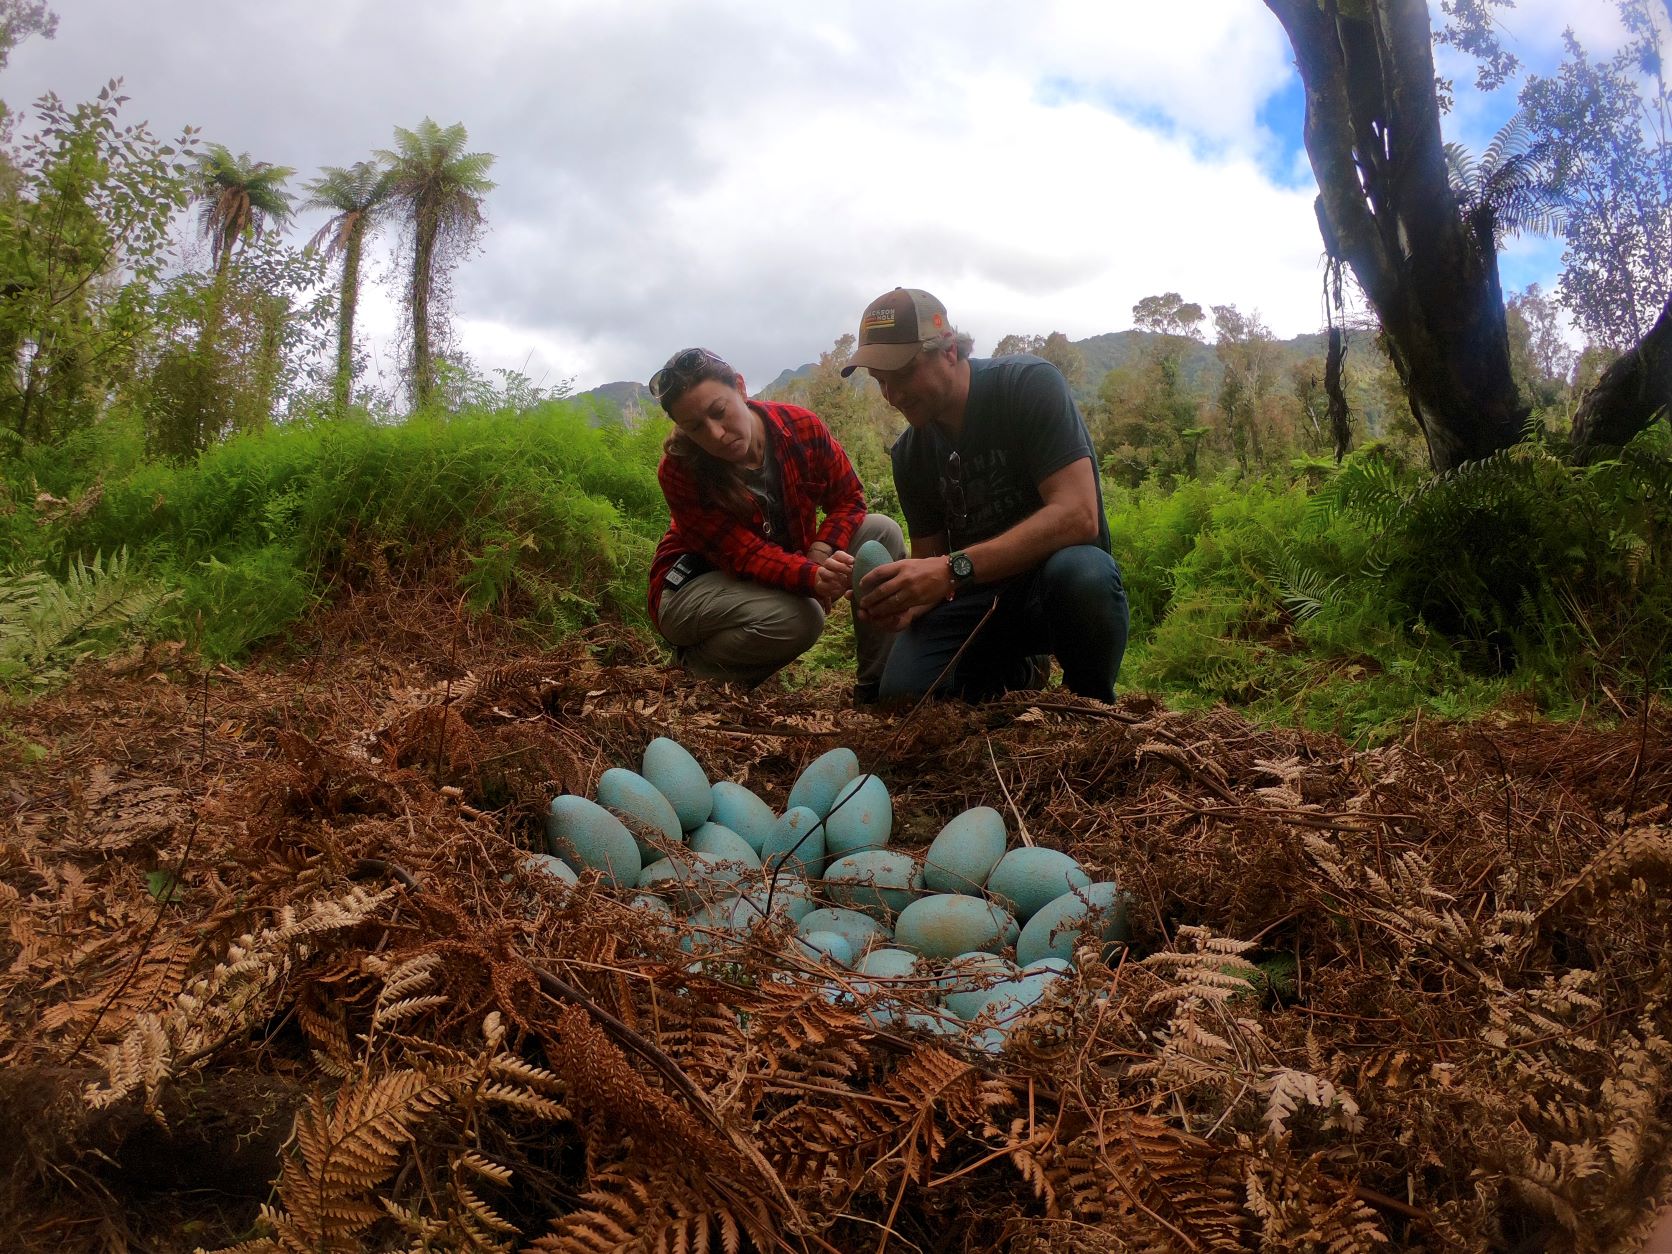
<point>816,475</point>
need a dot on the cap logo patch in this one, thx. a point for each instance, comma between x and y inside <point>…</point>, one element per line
<point>938,321</point>
<point>878,318</point>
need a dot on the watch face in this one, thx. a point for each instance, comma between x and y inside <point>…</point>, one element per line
<point>962,567</point>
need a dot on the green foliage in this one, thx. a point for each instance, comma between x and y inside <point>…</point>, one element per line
<point>46,625</point>
<point>1351,605</point>
<point>233,346</point>
<point>82,245</point>
<point>538,514</point>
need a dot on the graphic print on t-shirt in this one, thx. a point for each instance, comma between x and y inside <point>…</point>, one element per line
<point>993,496</point>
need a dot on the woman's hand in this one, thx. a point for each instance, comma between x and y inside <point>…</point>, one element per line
<point>894,595</point>
<point>833,580</point>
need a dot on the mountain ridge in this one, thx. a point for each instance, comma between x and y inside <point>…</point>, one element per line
<point>1200,368</point>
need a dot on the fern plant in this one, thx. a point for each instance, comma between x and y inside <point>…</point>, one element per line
<point>46,626</point>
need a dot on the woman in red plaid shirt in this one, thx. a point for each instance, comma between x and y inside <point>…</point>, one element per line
<point>746,573</point>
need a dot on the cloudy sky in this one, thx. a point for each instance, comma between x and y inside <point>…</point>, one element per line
<point>747,174</point>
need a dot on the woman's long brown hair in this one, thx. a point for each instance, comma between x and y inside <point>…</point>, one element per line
<point>719,483</point>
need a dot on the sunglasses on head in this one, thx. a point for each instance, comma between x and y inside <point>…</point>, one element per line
<point>681,369</point>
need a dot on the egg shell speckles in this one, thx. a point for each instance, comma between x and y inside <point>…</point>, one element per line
<point>725,845</point>
<point>947,924</point>
<point>862,817</point>
<point>746,814</point>
<point>1026,878</point>
<point>796,842</point>
<point>888,963</point>
<point>966,851</point>
<point>628,793</point>
<point>881,882</point>
<point>832,945</point>
<point>691,880</point>
<point>1096,911</point>
<point>587,836</point>
<point>862,930</point>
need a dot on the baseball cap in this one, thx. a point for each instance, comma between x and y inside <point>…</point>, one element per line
<point>894,328</point>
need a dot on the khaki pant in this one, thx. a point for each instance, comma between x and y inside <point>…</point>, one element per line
<point>731,629</point>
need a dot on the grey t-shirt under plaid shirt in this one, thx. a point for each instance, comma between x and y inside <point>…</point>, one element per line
<point>767,487</point>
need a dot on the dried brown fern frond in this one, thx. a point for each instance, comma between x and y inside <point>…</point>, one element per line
<point>403,995</point>
<point>1137,1177</point>
<point>614,1104</point>
<point>346,1148</point>
<point>228,999</point>
<point>129,991</point>
<point>1642,858</point>
<point>501,684</point>
<point>1207,1043</point>
<point>1300,1207</point>
<point>658,1213</point>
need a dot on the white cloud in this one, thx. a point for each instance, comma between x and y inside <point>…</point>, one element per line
<point>747,175</point>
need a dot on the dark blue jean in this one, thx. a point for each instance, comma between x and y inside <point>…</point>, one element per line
<point>1072,606</point>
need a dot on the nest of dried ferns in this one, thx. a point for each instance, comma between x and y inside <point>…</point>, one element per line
<point>265,987</point>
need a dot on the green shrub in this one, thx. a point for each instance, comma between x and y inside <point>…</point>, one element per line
<point>1381,591</point>
<point>546,515</point>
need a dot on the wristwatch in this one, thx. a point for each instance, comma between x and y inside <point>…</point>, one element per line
<point>962,569</point>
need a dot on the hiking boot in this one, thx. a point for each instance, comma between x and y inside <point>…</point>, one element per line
<point>866,693</point>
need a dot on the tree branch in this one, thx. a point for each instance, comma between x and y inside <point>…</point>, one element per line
<point>1632,393</point>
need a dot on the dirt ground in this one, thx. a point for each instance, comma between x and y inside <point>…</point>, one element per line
<point>273,975</point>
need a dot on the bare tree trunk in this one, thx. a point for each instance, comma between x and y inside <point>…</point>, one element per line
<point>1373,136</point>
<point>1632,393</point>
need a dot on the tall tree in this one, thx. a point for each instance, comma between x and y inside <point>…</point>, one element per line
<point>1386,208</point>
<point>238,198</point>
<point>1610,149</point>
<point>1055,348</point>
<point>438,188</point>
<point>356,194</point>
<point>1246,349</point>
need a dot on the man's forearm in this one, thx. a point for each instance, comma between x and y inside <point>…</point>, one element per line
<point>1055,525</point>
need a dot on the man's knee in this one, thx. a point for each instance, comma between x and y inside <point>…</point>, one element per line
<point>1081,566</point>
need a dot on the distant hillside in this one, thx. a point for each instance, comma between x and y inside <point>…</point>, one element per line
<point>785,378</point>
<point>1103,353</point>
<point>1201,368</point>
<point>617,396</point>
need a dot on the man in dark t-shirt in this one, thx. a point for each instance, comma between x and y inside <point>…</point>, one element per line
<point>1000,490</point>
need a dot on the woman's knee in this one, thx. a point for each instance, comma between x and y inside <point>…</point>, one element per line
<point>885,531</point>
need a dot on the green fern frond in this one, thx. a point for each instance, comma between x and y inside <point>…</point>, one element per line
<point>47,625</point>
<point>1304,591</point>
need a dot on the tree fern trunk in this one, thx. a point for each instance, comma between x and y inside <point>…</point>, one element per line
<point>423,366</point>
<point>350,301</point>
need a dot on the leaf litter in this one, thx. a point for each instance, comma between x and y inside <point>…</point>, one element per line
<point>275,979</point>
